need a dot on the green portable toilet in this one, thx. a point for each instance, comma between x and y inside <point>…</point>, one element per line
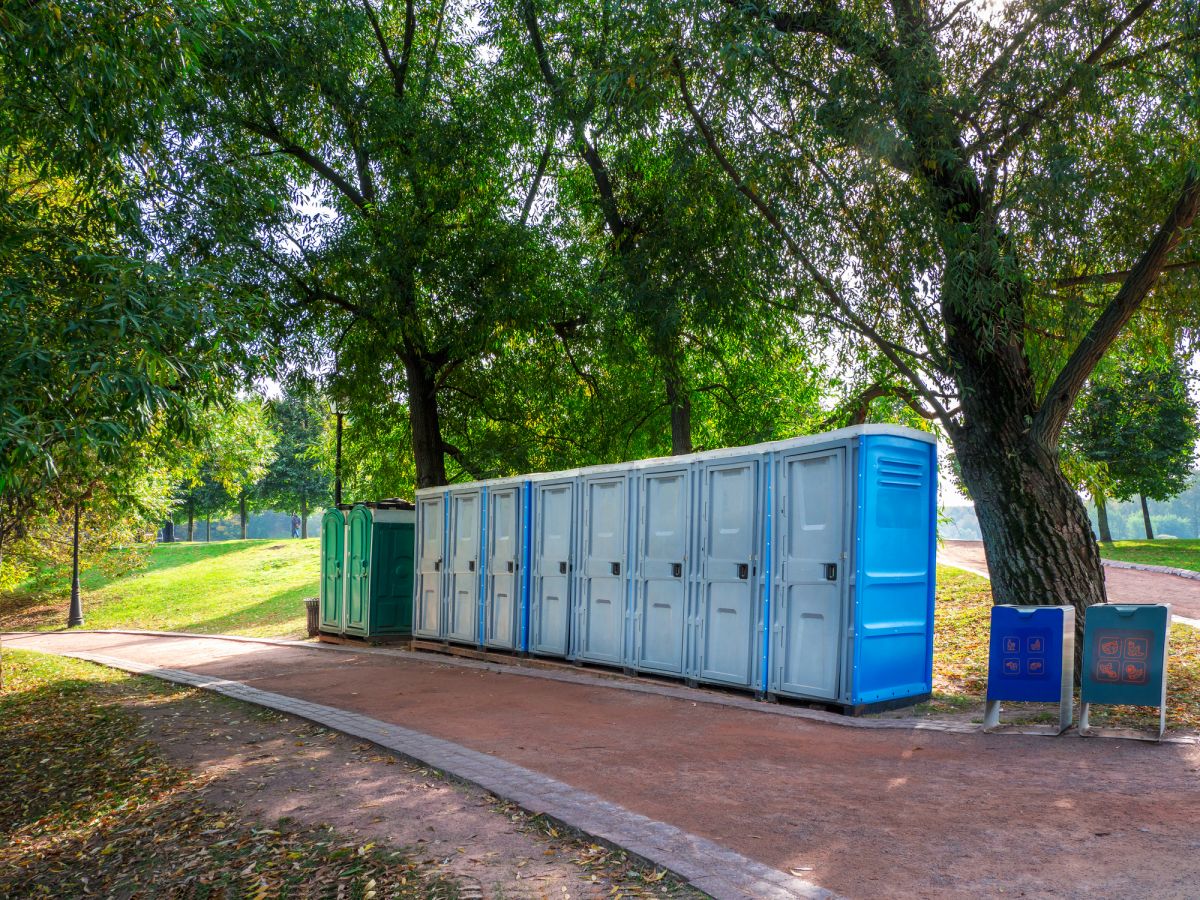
<point>333,563</point>
<point>380,545</point>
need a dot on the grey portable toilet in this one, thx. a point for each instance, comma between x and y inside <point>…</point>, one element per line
<point>602,588</point>
<point>553,548</point>
<point>728,608</point>
<point>461,613</point>
<point>431,555</point>
<point>504,563</point>
<point>812,528</point>
<point>662,573</point>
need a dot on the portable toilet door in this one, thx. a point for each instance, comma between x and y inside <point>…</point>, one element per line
<point>358,570</point>
<point>504,541</point>
<point>462,622</point>
<point>390,584</point>
<point>600,605</point>
<point>810,546</point>
<point>333,558</point>
<point>553,558</point>
<point>431,540</point>
<point>728,603</point>
<point>661,560</point>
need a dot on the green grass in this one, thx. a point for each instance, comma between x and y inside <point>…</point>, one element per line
<point>960,653</point>
<point>1175,553</point>
<point>89,807</point>
<point>252,588</point>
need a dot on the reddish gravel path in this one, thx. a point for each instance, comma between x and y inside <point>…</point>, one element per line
<point>866,813</point>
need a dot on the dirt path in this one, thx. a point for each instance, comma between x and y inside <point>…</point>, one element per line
<point>1124,585</point>
<point>867,813</point>
<point>270,766</point>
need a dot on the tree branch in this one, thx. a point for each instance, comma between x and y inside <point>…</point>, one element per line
<point>1031,119</point>
<point>826,286</point>
<point>1141,278</point>
<point>399,71</point>
<point>537,178</point>
<point>1118,277</point>
<point>271,133</point>
<point>617,225</point>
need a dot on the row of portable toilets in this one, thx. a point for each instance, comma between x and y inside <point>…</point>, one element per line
<point>801,568</point>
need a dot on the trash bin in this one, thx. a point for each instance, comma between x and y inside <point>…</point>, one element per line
<point>312,606</point>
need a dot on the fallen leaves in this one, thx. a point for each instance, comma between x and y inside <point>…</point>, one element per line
<point>89,808</point>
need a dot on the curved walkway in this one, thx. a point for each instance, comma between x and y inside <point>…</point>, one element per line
<point>761,803</point>
<point>1125,584</point>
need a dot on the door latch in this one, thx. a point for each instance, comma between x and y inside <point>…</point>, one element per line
<point>437,565</point>
<point>677,570</point>
<point>562,568</point>
<point>616,568</point>
<point>511,566</point>
<point>471,565</point>
<point>743,571</point>
<point>831,571</point>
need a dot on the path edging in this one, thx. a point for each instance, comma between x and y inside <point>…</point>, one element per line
<point>708,866</point>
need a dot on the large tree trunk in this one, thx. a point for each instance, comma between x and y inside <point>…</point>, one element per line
<point>1036,530</point>
<point>303,514</point>
<point>1102,516</point>
<point>680,401</point>
<point>242,512</point>
<point>207,529</point>
<point>1146,518</point>
<point>428,452</point>
<point>191,520</point>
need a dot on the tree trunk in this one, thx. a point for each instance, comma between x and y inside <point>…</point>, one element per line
<point>680,401</point>
<point>1146,518</point>
<point>423,416</point>
<point>1036,530</point>
<point>303,514</point>
<point>191,520</point>
<point>207,529</point>
<point>242,512</point>
<point>1102,517</point>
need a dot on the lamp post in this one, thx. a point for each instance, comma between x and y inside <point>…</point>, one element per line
<point>75,616</point>
<point>337,462</point>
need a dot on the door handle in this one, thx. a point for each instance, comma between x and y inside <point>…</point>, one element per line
<point>511,566</point>
<point>831,571</point>
<point>743,571</point>
<point>616,568</point>
<point>471,565</point>
<point>677,570</point>
<point>437,565</point>
<point>562,568</point>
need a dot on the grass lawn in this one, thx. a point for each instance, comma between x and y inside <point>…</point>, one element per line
<point>89,807</point>
<point>250,588</point>
<point>1182,554</point>
<point>960,651</point>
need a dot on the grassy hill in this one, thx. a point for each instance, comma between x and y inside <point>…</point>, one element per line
<point>1184,554</point>
<point>250,588</point>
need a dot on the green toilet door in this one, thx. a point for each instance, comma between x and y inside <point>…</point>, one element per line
<point>333,554</point>
<point>358,571</point>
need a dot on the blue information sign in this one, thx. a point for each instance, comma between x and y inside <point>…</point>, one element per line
<point>1031,659</point>
<point>1125,656</point>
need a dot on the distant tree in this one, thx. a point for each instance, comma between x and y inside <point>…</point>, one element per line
<point>1137,421</point>
<point>232,447</point>
<point>298,478</point>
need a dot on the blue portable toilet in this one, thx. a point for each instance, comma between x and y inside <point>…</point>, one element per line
<point>852,535</point>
